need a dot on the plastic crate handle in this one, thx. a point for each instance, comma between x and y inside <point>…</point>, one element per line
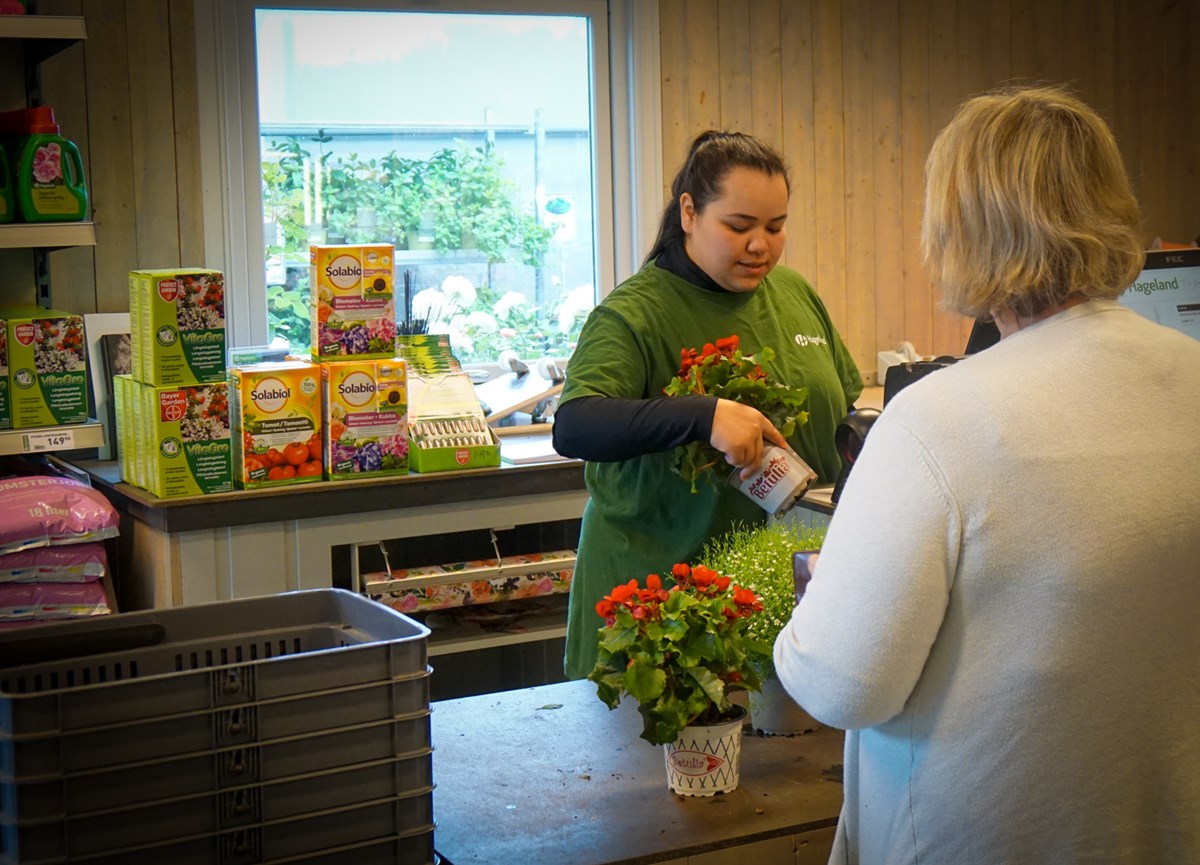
<point>39,650</point>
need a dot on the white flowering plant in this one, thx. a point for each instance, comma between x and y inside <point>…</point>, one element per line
<point>760,558</point>
<point>497,322</point>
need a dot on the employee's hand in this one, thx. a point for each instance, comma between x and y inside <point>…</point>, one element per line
<point>739,431</point>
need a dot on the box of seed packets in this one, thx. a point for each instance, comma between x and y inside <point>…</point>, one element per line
<point>446,427</point>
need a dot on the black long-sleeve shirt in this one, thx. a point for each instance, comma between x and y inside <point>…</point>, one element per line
<point>608,429</point>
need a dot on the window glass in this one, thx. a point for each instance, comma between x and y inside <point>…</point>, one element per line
<point>465,140</point>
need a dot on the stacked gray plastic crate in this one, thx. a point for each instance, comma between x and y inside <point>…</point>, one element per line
<point>290,728</point>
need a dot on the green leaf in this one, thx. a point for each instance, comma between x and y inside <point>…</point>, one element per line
<point>644,682</point>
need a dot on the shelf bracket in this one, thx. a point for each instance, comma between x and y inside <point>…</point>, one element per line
<point>41,276</point>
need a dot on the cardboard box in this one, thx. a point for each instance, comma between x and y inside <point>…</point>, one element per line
<point>47,367</point>
<point>353,310</point>
<point>365,403</point>
<point>275,411</point>
<point>123,412</point>
<point>177,324</point>
<point>5,406</point>
<point>446,426</point>
<point>187,441</point>
<point>466,443</point>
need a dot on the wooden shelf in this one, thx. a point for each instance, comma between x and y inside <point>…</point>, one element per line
<point>44,35</point>
<point>47,235</point>
<point>537,625</point>
<point>52,439</point>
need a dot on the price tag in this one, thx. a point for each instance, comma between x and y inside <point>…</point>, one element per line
<point>49,441</point>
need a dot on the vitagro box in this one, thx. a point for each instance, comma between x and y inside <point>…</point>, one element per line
<point>177,319</point>
<point>123,412</point>
<point>5,408</point>
<point>187,439</point>
<point>277,419</point>
<point>353,306</point>
<point>366,407</point>
<point>47,367</point>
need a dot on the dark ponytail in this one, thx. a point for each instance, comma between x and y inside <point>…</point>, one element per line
<point>710,158</point>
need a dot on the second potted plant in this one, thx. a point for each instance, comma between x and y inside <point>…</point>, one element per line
<point>761,558</point>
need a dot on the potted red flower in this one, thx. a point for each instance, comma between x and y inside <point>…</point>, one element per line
<point>681,652</point>
<point>720,369</point>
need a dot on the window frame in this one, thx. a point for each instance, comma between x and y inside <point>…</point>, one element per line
<point>626,141</point>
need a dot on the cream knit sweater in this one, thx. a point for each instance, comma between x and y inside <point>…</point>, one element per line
<point>1006,612</point>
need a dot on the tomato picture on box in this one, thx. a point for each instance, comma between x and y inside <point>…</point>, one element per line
<point>277,419</point>
<point>366,407</point>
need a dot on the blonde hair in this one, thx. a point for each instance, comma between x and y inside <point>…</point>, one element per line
<point>1027,203</point>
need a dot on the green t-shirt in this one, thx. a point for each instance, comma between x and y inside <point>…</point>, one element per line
<point>641,517</point>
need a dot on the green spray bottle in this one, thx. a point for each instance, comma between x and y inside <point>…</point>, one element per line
<point>48,172</point>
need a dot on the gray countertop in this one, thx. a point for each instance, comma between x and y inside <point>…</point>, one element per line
<point>549,775</point>
<point>250,507</point>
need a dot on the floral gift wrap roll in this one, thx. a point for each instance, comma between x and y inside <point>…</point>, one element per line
<point>437,587</point>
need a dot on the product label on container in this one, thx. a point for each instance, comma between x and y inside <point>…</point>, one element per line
<point>178,323</point>
<point>190,438</point>
<point>48,370</point>
<point>366,403</point>
<point>277,419</point>
<point>352,304</point>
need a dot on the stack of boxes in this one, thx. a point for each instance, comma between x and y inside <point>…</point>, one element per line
<point>287,728</point>
<point>344,413</point>
<point>173,409</point>
<point>190,426</point>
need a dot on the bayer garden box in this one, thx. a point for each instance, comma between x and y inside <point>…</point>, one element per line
<point>47,367</point>
<point>187,441</point>
<point>177,322</point>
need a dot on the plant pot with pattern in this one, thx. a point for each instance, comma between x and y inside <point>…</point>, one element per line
<point>681,652</point>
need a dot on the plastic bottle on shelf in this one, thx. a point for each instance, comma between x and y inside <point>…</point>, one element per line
<point>46,169</point>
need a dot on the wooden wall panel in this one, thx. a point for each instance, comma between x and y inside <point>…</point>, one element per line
<point>797,132</point>
<point>852,92</point>
<point>63,90</point>
<point>829,165</point>
<point>865,85</point>
<point>152,125</point>
<point>114,208</point>
<point>766,89</point>
<point>734,55</point>
<point>888,243</point>
<point>127,96</point>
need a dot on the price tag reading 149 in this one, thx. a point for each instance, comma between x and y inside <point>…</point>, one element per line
<point>48,441</point>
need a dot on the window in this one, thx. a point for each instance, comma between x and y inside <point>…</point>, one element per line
<point>477,138</point>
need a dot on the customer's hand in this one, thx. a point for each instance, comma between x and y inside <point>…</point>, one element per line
<point>739,431</point>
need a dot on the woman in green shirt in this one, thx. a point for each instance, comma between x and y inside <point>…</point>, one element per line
<point>712,273</point>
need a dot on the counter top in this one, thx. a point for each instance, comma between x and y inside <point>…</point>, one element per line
<point>304,501</point>
<point>550,775</point>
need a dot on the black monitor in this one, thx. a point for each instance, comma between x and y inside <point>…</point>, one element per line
<point>1168,290</point>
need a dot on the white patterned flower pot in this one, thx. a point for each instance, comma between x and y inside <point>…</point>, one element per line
<point>704,761</point>
<point>779,482</point>
<point>774,713</point>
